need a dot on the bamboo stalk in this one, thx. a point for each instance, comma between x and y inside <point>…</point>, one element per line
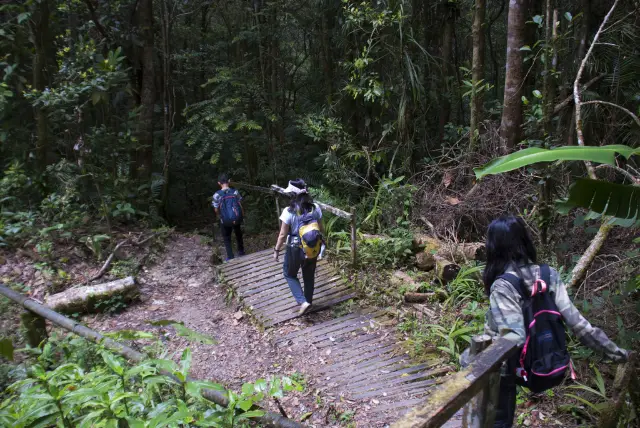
<point>218,397</point>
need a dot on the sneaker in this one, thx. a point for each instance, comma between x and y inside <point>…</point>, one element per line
<point>303,308</point>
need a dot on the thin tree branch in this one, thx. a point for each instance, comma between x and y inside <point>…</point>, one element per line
<point>567,101</point>
<point>635,180</point>
<point>96,20</point>
<point>576,86</point>
<point>607,103</point>
<point>580,270</point>
<point>106,264</point>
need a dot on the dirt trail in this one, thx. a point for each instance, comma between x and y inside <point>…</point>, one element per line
<point>182,286</point>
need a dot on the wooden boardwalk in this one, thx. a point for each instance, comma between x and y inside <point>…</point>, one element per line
<point>258,281</point>
<point>359,355</point>
<point>364,361</point>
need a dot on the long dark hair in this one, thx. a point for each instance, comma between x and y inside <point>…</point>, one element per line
<point>302,203</point>
<point>508,241</point>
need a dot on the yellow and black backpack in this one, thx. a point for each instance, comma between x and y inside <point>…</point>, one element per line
<point>310,235</point>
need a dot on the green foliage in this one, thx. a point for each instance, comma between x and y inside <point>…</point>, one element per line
<point>393,250</point>
<point>94,243</point>
<point>465,287</point>
<point>113,305</point>
<point>184,331</point>
<point>59,390</point>
<point>454,339</point>
<point>593,402</point>
<point>607,199</point>
<point>526,157</point>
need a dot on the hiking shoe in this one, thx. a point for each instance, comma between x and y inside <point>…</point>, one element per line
<point>303,308</point>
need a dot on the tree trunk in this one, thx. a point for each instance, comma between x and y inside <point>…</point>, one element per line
<point>167,102</point>
<point>551,16</point>
<point>40,34</point>
<point>477,70</point>
<point>144,154</point>
<point>494,59</point>
<point>447,68</point>
<point>511,124</point>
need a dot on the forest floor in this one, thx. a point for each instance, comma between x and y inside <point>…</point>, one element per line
<point>181,284</point>
<point>182,287</point>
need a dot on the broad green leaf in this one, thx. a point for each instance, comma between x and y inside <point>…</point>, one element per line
<point>130,335</point>
<point>6,348</point>
<point>185,363</point>
<point>245,405</point>
<point>568,16</point>
<point>113,363</point>
<point>525,157</point>
<point>251,414</point>
<point>609,199</point>
<point>537,94</point>
<point>158,380</point>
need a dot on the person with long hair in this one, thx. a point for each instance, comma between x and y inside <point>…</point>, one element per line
<point>301,205</point>
<point>510,250</point>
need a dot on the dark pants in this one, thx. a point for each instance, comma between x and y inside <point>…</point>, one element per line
<point>506,403</point>
<point>226,236</point>
<point>308,276</point>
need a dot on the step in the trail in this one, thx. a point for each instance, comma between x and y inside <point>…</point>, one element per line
<point>258,281</point>
<point>362,359</point>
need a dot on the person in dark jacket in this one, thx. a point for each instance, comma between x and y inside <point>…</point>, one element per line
<point>226,191</point>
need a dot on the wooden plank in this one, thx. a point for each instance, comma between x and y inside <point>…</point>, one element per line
<point>347,340</point>
<point>251,266</point>
<point>270,297</point>
<point>417,387</point>
<point>315,308</point>
<point>244,260</point>
<point>289,303</point>
<point>374,366</point>
<point>419,371</point>
<point>361,326</point>
<point>398,405</point>
<point>335,330</point>
<point>251,275</point>
<point>277,277</point>
<point>401,379</point>
<point>460,388</point>
<point>391,371</point>
<point>316,328</point>
<point>357,360</point>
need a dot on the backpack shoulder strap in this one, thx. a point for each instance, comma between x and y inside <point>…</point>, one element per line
<point>545,274</point>
<point>515,282</point>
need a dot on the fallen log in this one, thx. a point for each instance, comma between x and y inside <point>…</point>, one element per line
<point>411,297</point>
<point>446,271</point>
<point>87,298</point>
<point>458,252</point>
<point>399,279</point>
<point>425,261</point>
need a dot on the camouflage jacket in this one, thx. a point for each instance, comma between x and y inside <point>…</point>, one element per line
<point>505,315</point>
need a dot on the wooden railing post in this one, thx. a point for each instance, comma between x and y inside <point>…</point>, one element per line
<point>354,248</point>
<point>480,412</point>
<point>35,328</point>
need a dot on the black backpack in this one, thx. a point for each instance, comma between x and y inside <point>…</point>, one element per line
<point>544,359</point>
<point>230,210</point>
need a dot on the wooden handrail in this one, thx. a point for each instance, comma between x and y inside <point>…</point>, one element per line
<point>329,208</point>
<point>351,216</point>
<point>43,312</point>
<point>451,396</point>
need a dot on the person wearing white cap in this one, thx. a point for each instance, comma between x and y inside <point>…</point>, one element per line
<point>294,260</point>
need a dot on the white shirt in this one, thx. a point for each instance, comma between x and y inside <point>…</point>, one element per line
<point>291,218</point>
